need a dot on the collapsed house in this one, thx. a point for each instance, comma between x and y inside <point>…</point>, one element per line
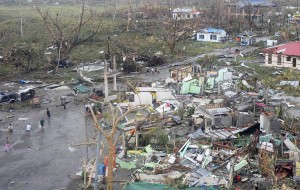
<point>200,130</point>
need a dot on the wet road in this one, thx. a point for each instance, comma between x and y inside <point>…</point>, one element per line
<point>43,160</point>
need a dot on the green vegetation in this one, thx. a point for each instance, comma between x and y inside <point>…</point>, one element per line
<point>193,48</point>
<point>140,40</point>
<point>270,80</point>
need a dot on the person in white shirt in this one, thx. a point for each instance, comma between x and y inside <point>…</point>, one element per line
<point>28,128</point>
<point>10,128</point>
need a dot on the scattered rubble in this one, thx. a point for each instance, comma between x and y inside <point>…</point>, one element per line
<point>202,130</point>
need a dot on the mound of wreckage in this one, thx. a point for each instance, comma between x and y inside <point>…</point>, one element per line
<point>202,131</point>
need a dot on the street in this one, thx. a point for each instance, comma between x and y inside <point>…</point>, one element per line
<point>43,159</point>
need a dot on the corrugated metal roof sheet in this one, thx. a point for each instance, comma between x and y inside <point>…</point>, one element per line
<point>221,134</point>
<point>292,49</point>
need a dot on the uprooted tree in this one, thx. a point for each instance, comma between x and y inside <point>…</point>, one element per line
<point>66,35</point>
<point>115,118</point>
<point>26,57</point>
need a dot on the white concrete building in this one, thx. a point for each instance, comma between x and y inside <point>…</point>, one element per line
<point>211,35</point>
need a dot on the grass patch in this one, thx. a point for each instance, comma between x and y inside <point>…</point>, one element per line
<point>8,71</point>
<point>194,48</point>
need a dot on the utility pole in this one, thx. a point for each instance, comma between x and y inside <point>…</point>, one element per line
<point>105,79</point>
<point>21,21</point>
<point>86,138</point>
<point>97,162</point>
<point>108,52</point>
<point>115,75</point>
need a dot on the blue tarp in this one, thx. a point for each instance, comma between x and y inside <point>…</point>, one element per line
<point>214,30</point>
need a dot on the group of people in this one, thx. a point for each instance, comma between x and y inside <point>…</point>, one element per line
<point>28,129</point>
<point>153,70</point>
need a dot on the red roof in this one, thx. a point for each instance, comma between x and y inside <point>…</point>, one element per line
<point>292,48</point>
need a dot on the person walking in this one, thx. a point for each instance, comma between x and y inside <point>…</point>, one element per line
<point>28,128</point>
<point>7,145</point>
<point>10,128</point>
<point>48,113</point>
<point>42,123</point>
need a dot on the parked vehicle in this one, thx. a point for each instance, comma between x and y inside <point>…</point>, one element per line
<point>10,98</point>
<point>19,96</point>
<point>64,63</point>
<point>26,95</point>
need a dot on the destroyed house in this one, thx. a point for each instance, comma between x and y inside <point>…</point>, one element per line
<point>269,123</point>
<point>215,117</point>
<point>185,13</point>
<point>179,74</point>
<point>259,11</point>
<point>145,96</point>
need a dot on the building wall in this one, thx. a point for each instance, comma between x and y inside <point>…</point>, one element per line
<point>181,73</point>
<point>182,16</point>
<point>223,122</point>
<point>286,61</point>
<point>207,37</point>
<point>142,98</point>
<point>264,123</point>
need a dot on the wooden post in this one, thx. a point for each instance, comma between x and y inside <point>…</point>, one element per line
<point>231,174</point>
<point>219,88</point>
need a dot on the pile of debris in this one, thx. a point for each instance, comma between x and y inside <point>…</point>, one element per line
<point>201,130</point>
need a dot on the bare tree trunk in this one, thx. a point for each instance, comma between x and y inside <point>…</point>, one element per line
<point>110,163</point>
<point>59,54</point>
<point>172,49</point>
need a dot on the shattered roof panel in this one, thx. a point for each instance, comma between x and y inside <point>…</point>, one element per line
<point>221,134</point>
<point>218,111</point>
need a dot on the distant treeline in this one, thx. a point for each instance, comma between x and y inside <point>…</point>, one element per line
<point>169,3</point>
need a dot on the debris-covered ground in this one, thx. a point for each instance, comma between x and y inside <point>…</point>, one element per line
<point>214,127</point>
